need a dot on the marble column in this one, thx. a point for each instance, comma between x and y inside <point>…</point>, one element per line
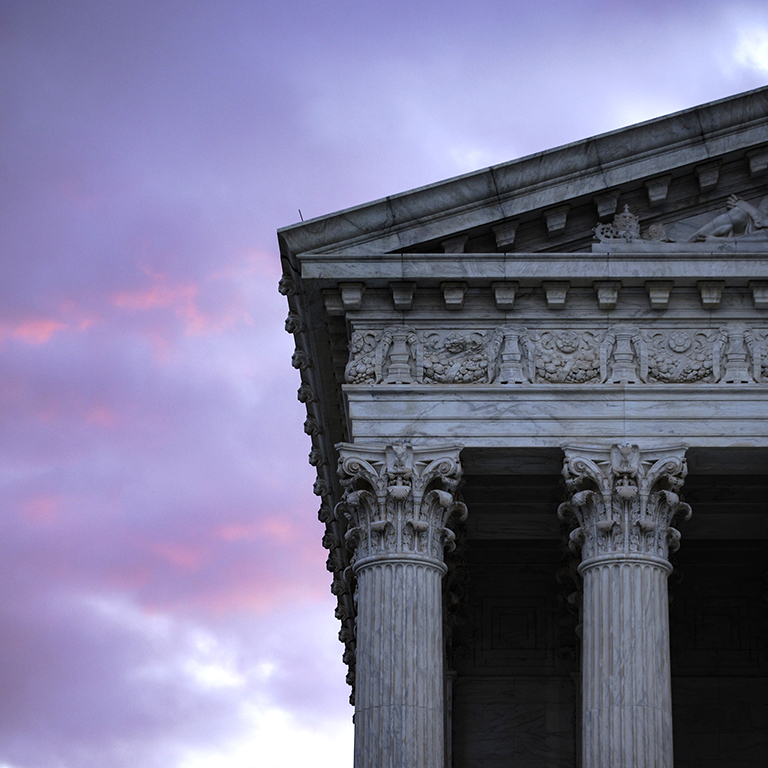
<point>623,501</point>
<point>398,500</point>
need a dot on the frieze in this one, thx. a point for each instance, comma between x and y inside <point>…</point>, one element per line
<point>620,354</point>
<point>565,357</point>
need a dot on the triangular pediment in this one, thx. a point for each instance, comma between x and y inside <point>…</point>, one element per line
<point>675,174</point>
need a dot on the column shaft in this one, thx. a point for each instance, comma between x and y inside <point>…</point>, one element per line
<point>399,686</point>
<point>627,717</point>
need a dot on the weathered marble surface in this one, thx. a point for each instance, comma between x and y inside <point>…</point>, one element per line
<point>399,708</point>
<point>677,264</point>
<point>535,416</point>
<point>627,704</point>
<point>622,353</point>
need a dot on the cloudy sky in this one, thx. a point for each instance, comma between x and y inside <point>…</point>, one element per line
<point>165,601</point>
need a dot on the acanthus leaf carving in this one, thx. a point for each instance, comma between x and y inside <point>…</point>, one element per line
<point>623,500</point>
<point>399,499</point>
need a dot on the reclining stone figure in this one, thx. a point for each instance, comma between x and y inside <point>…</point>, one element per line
<point>740,219</point>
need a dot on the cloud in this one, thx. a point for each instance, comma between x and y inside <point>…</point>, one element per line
<point>751,51</point>
<point>116,685</point>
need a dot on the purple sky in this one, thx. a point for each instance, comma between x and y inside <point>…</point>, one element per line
<point>166,602</point>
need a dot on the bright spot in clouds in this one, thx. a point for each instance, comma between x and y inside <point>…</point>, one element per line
<point>278,741</point>
<point>751,50</point>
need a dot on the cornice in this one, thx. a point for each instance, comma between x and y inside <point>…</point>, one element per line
<point>478,268</point>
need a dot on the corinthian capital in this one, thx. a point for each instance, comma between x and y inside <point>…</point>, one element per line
<point>623,500</point>
<point>398,500</point>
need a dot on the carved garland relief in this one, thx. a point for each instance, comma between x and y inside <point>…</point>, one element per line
<point>517,355</point>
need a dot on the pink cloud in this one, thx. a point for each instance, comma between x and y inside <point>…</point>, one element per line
<point>183,301</point>
<point>277,530</point>
<point>34,331</point>
<point>179,298</point>
<point>102,416</point>
<point>42,509</point>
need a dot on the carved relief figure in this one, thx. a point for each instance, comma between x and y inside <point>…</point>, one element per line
<point>740,219</point>
<point>621,354</point>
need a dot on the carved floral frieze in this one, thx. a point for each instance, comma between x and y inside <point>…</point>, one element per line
<point>517,355</point>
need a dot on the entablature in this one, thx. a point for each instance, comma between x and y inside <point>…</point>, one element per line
<point>394,285</point>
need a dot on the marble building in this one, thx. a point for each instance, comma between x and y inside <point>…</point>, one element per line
<point>538,402</point>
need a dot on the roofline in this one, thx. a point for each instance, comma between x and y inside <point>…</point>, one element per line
<point>543,178</point>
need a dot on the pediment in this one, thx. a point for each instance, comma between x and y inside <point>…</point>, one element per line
<point>675,174</point>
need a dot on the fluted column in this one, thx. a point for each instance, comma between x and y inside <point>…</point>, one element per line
<point>398,501</point>
<point>623,501</point>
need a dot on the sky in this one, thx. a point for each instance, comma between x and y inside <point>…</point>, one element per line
<point>165,598</point>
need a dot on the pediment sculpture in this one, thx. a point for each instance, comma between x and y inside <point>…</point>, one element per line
<point>741,227</point>
<point>740,220</point>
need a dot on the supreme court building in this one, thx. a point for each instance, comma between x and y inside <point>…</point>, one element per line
<point>538,402</point>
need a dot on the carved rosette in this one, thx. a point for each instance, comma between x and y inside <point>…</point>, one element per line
<point>398,501</point>
<point>623,501</point>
